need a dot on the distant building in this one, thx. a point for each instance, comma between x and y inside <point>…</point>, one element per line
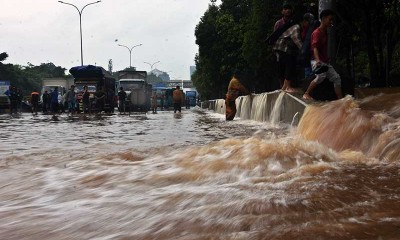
<point>163,75</point>
<point>192,70</point>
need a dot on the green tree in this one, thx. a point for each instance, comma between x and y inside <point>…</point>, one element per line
<point>29,77</point>
<point>208,60</point>
<point>220,38</point>
<point>231,36</point>
<point>3,56</point>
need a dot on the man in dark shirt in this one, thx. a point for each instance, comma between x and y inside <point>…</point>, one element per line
<point>46,98</point>
<point>54,100</point>
<point>100,96</point>
<point>86,99</point>
<point>121,100</point>
<point>285,49</point>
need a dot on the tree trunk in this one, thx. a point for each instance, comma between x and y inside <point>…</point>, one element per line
<point>373,62</point>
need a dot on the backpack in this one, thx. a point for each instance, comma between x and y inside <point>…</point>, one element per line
<point>304,57</point>
<point>271,39</point>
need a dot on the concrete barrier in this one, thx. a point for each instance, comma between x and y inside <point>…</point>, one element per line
<point>275,107</point>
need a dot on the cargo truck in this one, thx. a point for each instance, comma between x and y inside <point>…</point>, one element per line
<point>192,96</point>
<point>99,81</point>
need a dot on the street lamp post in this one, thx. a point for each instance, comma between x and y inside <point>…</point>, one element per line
<point>80,21</point>
<point>130,52</point>
<point>151,65</point>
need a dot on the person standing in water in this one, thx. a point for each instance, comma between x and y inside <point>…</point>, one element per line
<point>154,102</point>
<point>71,99</point>
<point>54,100</point>
<point>86,99</point>
<point>177,96</point>
<point>35,102</point>
<point>121,100</point>
<point>235,89</point>
<point>46,99</point>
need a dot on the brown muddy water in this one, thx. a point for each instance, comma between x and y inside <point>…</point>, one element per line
<point>195,176</point>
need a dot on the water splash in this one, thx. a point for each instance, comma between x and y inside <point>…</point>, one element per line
<point>350,124</point>
<point>277,109</point>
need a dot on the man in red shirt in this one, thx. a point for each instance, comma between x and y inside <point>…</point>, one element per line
<point>320,58</point>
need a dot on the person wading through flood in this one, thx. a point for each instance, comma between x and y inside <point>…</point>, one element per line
<point>71,99</point>
<point>121,100</point>
<point>235,89</point>
<point>177,96</point>
<point>54,100</point>
<point>86,99</point>
<point>154,102</point>
<point>46,99</point>
<point>35,102</point>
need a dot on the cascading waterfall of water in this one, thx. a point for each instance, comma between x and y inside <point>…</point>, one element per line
<point>259,108</point>
<point>271,107</point>
<point>220,106</point>
<point>244,107</point>
<point>277,109</point>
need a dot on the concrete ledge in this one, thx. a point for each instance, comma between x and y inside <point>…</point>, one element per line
<point>277,106</point>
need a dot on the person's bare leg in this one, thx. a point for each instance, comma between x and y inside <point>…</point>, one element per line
<point>310,88</point>
<point>289,87</point>
<point>284,85</point>
<point>338,91</point>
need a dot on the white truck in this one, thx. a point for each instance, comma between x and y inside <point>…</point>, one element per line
<point>137,90</point>
<point>50,84</point>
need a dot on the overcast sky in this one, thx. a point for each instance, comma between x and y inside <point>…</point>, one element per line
<point>41,31</point>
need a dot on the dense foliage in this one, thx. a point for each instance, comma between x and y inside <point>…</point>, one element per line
<point>28,78</point>
<point>231,37</point>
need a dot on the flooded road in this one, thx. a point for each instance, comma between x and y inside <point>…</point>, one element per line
<point>195,176</point>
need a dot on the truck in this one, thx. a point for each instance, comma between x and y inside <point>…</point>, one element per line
<point>137,89</point>
<point>4,99</point>
<point>98,80</point>
<point>49,84</point>
<point>192,96</point>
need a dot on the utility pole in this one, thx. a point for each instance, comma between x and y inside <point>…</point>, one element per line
<point>80,21</point>
<point>130,52</point>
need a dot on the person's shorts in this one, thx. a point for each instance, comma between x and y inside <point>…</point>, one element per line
<point>331,74</point>
<point>287,66</point>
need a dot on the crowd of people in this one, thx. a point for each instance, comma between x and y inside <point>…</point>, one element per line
<point>304,44</point>
<point>53,102</point>
<point>16,97</point>
<point>74,101</point>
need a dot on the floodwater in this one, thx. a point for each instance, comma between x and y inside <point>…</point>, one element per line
<point>195,176</point>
